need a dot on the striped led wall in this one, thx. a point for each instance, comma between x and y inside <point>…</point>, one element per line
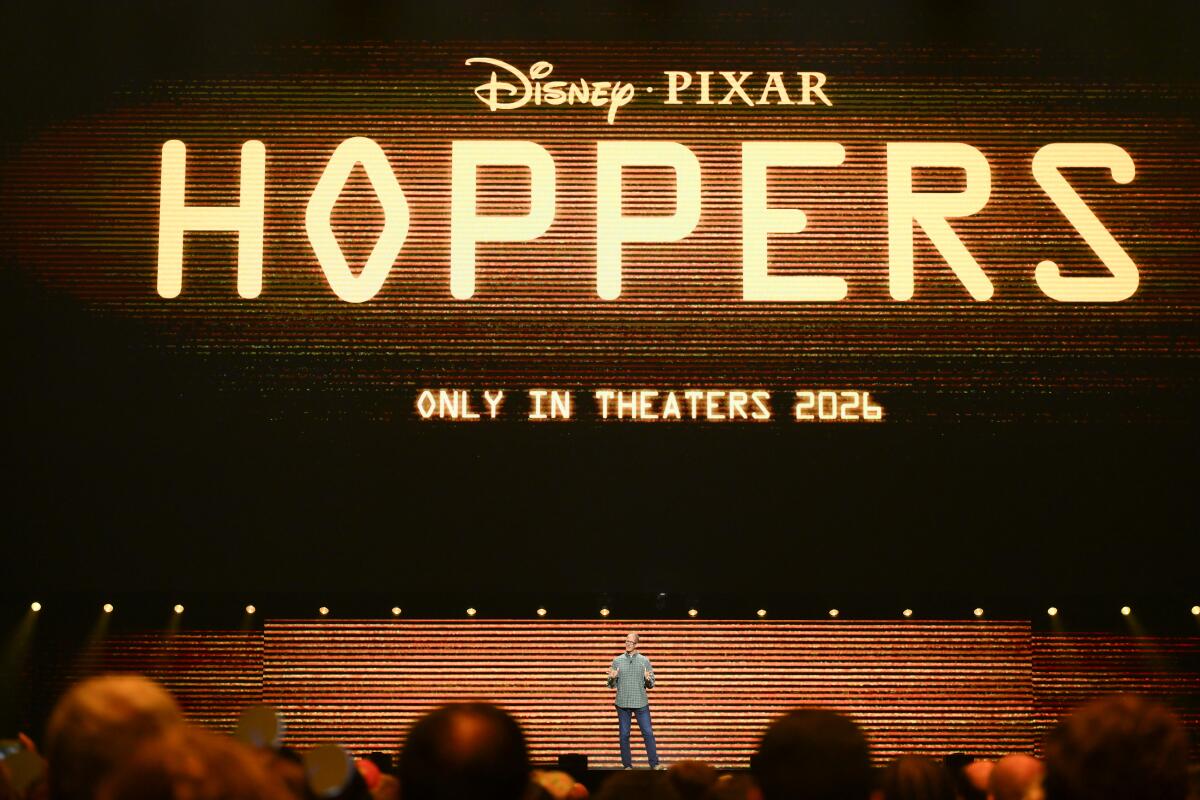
<point>81,213</point>
<point>1067,668</point>
<point>913,688</point>
<point>214,674</point>
<point>918,687</point>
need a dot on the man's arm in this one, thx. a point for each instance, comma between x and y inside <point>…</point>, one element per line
<point>649,674</point>
<point>612,675</point>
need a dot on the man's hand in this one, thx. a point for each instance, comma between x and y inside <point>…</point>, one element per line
<point>612,673</point>
<point>649,677</point>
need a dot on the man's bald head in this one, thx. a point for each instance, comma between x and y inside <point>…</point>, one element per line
<point>814,754</point>
<point>1013,777</point>
<point>464,750</point>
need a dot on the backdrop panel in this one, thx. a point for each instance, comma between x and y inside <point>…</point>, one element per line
<point>927,687</point>
<point>1069,669</point>
<point>213,674</point>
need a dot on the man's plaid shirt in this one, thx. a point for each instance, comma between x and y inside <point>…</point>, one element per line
<point>631,681</point>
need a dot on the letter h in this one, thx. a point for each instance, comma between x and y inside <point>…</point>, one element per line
<point>174,217</point>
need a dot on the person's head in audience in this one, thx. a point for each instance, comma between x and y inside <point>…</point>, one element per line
<point>812,754</point>
<point>186,763</point>
<point>376,769</point>
<point>969,774</point>
<point>916,778</point>
<point>355,787</point>
<point>976,776</point>
<point>286,764</point>
<point>638,785</point>
<point>734,787</point>
<point>559,785</point>
<point>98,723</point>
<point>369,771</point>
<point>1117,747</point>
<point>465,750</point>
<point>691,778</point>
<point>388,788</point>
<point>1015,777</point>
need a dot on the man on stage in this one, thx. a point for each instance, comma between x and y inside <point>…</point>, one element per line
<point>631,675</point>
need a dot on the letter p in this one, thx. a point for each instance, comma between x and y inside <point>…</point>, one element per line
<point>468,227</point>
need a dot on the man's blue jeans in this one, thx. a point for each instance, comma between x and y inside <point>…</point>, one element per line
<point>624,716</point>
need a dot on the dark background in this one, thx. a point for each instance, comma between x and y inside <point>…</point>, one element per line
<point>126,471</point>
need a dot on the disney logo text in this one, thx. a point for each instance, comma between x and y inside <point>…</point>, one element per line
<point>532,89</point>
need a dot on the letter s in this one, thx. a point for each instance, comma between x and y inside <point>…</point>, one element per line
<point>1123,281</point>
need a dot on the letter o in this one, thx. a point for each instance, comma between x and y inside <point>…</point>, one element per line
<point>363,286</point>
<point>426,405</point>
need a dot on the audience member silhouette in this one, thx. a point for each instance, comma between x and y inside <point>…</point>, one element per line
<point>692,779</point>
<point>916,778</point>
<point>734,787</point>
<point>467,750</point>
<point>638,785</point>
<point>1118,748</point>
<point>1015,777</point>
<point>186,763</point>
<point>812,754</point>
<point>98,724</point>
<point>124,738</point>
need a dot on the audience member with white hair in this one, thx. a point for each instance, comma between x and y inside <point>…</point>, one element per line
<point>97,725</point>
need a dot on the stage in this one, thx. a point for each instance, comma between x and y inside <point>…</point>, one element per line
<point>917,686</point>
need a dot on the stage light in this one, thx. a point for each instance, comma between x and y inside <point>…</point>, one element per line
<point>1126,611</point>
<point>604,612</point>
<point>907,612</point>
<point>833,612</point>
<point>1052,611</point>
<point>323,611</point>
<point>1196,611</point>
<point>108,608</point>
<point>250,609</point>
<point>979,612</point>
<point>762,612</point>
<point>395,611</point>
<point>470,612</point>
<point>541,612</point>
<point>178,608</point>
<point>692,612</point>
<point>35,606</point>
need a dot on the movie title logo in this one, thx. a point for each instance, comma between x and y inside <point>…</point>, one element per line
<point>509,87</point>
<point>911,211</point>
